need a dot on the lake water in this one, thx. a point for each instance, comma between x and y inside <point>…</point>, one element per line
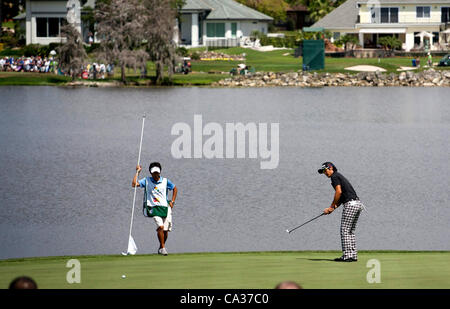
<point>67,158</point>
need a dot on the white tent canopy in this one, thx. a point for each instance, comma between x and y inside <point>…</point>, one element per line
<point>424,33</point>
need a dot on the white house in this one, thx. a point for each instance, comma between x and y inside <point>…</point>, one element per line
<point>202,22</point>
<point>218,22</point>
<point>416,23</point>
<point>44,18</point>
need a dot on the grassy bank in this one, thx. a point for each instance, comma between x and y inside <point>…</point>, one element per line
<point>31,79</point>
<point>399,270</point>
<point>207,72</point>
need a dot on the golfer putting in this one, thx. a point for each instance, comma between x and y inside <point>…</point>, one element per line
<point>345,195</point>
<point>156,204</point>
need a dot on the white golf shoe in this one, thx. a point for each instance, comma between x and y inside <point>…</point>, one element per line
<point>162,251</point>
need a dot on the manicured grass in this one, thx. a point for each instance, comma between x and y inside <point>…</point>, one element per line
<point>32,79</point>
<point>283,61</point>
<point>251,270</point>
<point>338,65</point>
<point>196,79</point>
<point>275,61</point>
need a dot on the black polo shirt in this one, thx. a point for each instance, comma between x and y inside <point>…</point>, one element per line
<point>348,193</point>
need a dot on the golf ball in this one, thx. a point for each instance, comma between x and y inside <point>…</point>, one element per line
<point>123,276</point>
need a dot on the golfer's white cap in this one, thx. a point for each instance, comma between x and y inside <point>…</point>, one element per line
<point>155,169</point>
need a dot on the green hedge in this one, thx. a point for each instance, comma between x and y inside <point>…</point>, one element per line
<point>30,50</point>
<point>289,41</point>
<point>11,52</point>
<point>91,48</point>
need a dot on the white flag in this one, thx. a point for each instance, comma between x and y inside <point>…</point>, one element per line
<point>132,248</point>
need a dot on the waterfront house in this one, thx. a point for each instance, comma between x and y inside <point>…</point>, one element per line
<point>219,23</point>
<point>418,24</point>
<point>202,22</point>
<point>43,19</point>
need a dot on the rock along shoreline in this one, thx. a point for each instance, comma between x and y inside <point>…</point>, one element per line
<point>427,78</point>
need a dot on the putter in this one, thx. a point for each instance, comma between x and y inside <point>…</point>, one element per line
<point>289,231</point>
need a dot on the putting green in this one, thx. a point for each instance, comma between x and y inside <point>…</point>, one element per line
<point>249,270</point>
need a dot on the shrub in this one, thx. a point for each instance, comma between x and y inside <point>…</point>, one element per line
<point>11,52</point>
<point>182,51</point>
<point>9,40</point>
<point>43,50</point>
<point>255,34</point>
<point>53,46</point>
<point>289,41</point>
<point>91,48</point>
<point>347,39</point>
<point>290,25</point>
<point>390,42</point>
<point>195,56</point>
<point>30,50</point>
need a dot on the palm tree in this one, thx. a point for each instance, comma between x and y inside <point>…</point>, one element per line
<point>319,8</point>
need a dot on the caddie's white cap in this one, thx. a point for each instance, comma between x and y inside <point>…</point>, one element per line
<point>155,169</point>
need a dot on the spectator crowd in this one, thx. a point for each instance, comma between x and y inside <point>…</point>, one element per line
<point>50,65</point>
<point>28,64</point>
<point>97,71</point>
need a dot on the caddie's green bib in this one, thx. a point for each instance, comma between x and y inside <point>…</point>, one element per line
<point>155,198</point>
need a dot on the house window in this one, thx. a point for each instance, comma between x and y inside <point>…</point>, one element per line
<point>53,27</point>
<point>445,14</point>
<point>423,11</point>
<point>215,30</point>
<point>49,26</point>
<point>41,27</point>
<point>233,29</point>
<point>389,15</point>
<point>416,39</point>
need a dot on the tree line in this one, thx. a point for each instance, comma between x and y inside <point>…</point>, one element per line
<point>130,33</point>
<point>277,8</point>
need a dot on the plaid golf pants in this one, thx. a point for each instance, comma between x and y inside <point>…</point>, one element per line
<point>350,215</point>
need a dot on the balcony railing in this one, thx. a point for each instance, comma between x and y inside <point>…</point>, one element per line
<point>402,20</point>
<point>225,42</point>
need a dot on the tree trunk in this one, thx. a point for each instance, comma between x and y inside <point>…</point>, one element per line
<point>123,77</point>
<point>159,72</point>
<point>170,70</point>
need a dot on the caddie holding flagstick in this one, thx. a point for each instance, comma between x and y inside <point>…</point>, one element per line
<point>345,195</point>
<point>156,202</point>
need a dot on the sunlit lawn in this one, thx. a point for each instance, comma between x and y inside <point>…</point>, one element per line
<point>250,270</point>
<point>208,72</point>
